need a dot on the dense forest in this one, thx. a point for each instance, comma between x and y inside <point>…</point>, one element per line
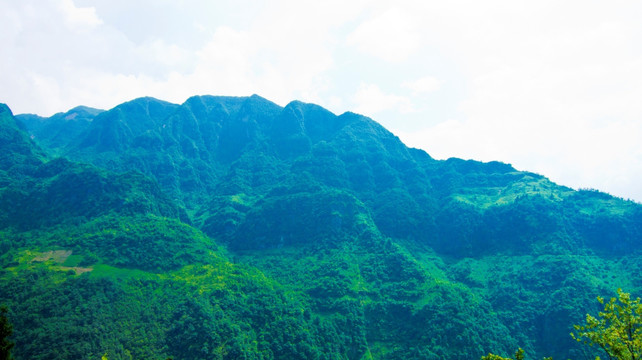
<point>227,228</point>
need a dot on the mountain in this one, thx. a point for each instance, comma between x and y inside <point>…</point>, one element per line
<point>56,131</point>
<point>17,151</point>
<point>328,232</point>
<point>95,262</point>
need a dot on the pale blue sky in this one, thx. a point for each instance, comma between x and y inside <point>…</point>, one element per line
<point>548,86</point>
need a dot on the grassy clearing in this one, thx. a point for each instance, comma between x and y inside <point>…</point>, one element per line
<point>527,186</point>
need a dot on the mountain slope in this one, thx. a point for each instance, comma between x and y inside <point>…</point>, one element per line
<point>398,255</point>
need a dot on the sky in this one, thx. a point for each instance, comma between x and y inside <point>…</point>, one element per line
<point>551,87</point>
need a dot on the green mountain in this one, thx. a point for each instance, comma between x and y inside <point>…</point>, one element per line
<point>96,262</point>
<point>18,155</point>
<point>232,227</point>
<point>56,131</point>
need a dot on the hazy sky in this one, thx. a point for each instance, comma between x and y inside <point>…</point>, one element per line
<point>553,87</point>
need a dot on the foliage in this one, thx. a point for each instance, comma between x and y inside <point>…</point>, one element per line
<point>219,310</point>
<point>618,330</point>
<point>145,242</point>
<point>61,192</point>
<point>519,355</point>
<point>357,276</point>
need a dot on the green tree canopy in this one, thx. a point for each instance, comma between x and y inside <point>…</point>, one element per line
<point>617,330</point>
<point>519,355</point>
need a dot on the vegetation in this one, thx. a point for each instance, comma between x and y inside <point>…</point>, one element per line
<point>234,228</point>
<point>617,331</point>
<point>519,355</point>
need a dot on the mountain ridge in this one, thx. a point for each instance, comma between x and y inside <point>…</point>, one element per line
<point>387,252</point>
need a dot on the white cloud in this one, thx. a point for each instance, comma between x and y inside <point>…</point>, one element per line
<point>550,88</point>
<point>11,25</point>
<point>226,61</point>
<point>422,85</point>
<point>46,88</point>
<point>283,54</point>
<point>370,100</point>
<point>170,55</point>
<point>391,36</point>
<point>79,16</point>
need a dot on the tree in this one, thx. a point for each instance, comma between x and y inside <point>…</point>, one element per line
<point>519,355</point>
<point>6,330</point>
<point>617,331</point>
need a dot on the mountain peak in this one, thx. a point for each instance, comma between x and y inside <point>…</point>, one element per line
<point>86,109</point>
<point>16,148</point>
<point>5,109</point>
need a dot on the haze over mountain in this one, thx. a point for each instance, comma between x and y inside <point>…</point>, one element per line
<point>231,226</point>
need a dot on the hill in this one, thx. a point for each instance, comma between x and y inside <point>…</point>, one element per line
<point>56,131</point>
<point>383,251</point>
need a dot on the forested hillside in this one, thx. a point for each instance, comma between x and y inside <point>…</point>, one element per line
<point>232,227</point>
